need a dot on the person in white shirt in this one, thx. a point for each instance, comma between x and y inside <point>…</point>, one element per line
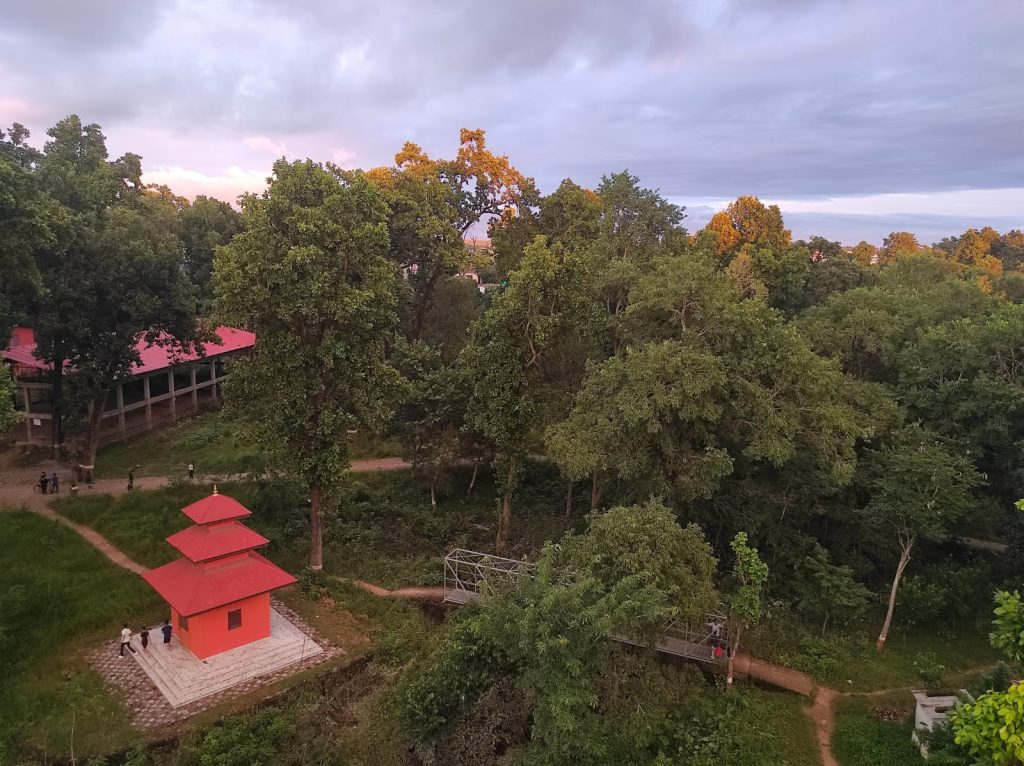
<point>191,471</point>
<point>126,639</point>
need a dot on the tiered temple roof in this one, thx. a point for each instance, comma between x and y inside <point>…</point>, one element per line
<point>220,565</point>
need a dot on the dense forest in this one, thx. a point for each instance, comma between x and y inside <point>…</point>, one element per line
<point>797,433</point>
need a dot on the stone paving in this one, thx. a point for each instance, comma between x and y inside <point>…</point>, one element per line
<point>151,709</point>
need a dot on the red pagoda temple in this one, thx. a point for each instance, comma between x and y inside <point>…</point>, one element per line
<point>219,593</point>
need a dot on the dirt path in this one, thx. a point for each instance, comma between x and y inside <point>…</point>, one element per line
<point>823,715</point>
<point>96,540</point>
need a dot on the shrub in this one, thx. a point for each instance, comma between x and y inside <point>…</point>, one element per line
<point>929,669</point>
<point>253,739</point>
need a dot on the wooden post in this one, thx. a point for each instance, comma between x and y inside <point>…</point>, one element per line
<point>149,404</point>
<point>213,377</point>
<point>195,394</point>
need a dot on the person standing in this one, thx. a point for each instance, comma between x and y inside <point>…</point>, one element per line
<point>131,479</point>
<point>144,637</point>
<point>55,484</point>
<point>191,470</point>
<point>43,481</point>
<point>88,480</point>
<point>166,630</point>
<point>126,639</point>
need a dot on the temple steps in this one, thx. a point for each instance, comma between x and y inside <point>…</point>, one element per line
<point>182,678</point>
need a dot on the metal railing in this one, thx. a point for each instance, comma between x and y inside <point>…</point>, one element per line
<point>466,574</point>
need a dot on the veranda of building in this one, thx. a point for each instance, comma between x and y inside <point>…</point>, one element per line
<point>160,390</point>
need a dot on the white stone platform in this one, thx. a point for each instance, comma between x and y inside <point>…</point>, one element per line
<point>182,678</point>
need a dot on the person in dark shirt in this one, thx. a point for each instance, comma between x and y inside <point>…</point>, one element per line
<point>43,481</point>
<point>166,630</point>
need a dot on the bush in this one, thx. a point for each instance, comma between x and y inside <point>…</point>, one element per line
<point>946,593</point>
<point>998,679</point>
<point>253,739</point>
<point>929,669</point>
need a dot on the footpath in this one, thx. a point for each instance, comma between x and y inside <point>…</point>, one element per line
<point>17,491</point>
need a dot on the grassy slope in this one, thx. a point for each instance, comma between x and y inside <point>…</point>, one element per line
<point>861,738</point>
<point>212,442</point>
<point>60,596</point>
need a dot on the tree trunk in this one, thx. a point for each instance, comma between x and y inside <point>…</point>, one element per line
<point>733,647</point>
<point>505,520</point>
<point>316,537</point>
<point>904,560</point>
<point>56,397</point>
<point>595,493</point>
<point>568,500</point>
<point>433,494</point>
<point>472,481</point>
<point>92,431</point>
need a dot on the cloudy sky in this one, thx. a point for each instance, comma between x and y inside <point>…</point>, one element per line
<point>856,117</point>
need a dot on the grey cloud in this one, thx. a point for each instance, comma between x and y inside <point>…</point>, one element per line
<point>781,98</point>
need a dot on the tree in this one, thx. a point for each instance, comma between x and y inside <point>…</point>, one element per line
<point>1008,626</point>
<point>865,253</point>
<point>992,728</point>
<point>111,277</point>
<point>446,326</point>
<point>310,275</point>
<point>727,238</point>
<point>205,225</point>
<point>512,359</point>
<point>8,415</point>
<point>434,202</point>
<point>918,489</point>
<point>750,575</point>
<point>897,243</point>
<point>758,224</point>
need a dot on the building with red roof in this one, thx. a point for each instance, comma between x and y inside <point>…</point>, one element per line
<point>219,592</point>
<point>165,384</point>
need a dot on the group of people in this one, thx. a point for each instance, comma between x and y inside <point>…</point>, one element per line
<point>716,636</point>
<point>126,637</point>
<point>49,485</point>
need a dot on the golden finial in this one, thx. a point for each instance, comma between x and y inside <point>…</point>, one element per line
<point>215,489</point>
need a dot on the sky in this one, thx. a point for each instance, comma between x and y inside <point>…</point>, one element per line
<point>857,118</point>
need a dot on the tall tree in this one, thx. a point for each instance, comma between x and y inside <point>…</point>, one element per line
<point>435,202</point>
<point>918,489</point>
<point>758,224</point>
<point>750,574</point>
<point>111,277</point>
<point>512,359</point>
<point>897,243</point>
<point>205,225</point>
<point>310,275</point>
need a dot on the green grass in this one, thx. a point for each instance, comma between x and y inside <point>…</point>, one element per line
<point>862,738</point>
<point>846,658</point>
<point>384,529</point>
<point>216,446</point>
<point>211,441</point>
<point>58,598</point>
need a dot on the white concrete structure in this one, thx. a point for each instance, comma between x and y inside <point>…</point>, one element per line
<point>182,679</point>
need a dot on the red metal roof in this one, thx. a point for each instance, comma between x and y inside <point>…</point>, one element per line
<point>152,357</point>
<point>215,508</point>
<point>205,542</point>
<point>192,588</point>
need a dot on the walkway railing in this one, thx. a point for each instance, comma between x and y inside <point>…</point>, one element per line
<point>467,572</point>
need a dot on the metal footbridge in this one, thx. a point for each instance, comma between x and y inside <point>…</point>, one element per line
<point>468,573</point>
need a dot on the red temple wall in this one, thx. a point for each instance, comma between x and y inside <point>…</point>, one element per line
<point>208,632</point>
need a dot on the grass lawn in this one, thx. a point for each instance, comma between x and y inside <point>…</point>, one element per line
<point>59,596</point>
<point>863,738</point>
<point>846,658</point>
<point>213,443</point>
<point>384,530</point>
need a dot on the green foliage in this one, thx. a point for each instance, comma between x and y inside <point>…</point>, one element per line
<point>828,590</point>
<point>310,275</point>
<point>944,593</point>
<point>8,415</point>
<point>750,574</point>
<point>992,728</point>
<point>252,739</point>
<point>929,669</point>
<point>646,540</point>
<point>1008,625</point>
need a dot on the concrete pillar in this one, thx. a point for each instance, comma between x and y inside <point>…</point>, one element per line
<point>213,377</point>
<point>149,405</point>
<point>120,407</point>
<point>170,390</point>
<point>28,414</point>
<point>195,394</point>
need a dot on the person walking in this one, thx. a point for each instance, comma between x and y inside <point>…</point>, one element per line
<point>166,630</point>
<point>126,640</point>
<point>144,637</point>
<point>88,480</point>
<point>191,471</point>
<point>131,479</point>
<point>55,484</point>
<point>43,481</point>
